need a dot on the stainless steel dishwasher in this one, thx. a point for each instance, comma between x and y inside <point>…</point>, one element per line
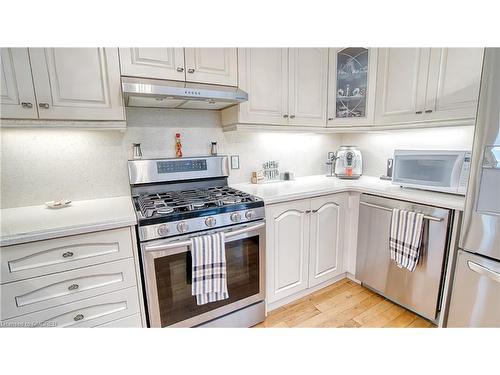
<point>420,290</point>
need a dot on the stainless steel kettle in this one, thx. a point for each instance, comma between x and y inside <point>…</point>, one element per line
<point>348,162</point>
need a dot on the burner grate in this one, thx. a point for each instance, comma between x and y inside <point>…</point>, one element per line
<point>174,202</point>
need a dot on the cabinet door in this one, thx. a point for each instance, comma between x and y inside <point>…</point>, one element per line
<point>352,73</point>
<point>401,84</point>
<point>161,63</point>
<point>263,75</point>
<point>217,66</point>
<point>453,83</point>
<point>77,83</point>
<point>287,249</point>
<point>326,238</point>
<point>308,72</point>
<point>17,95</point>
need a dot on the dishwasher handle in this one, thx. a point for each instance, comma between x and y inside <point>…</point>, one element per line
<point>431,218</point>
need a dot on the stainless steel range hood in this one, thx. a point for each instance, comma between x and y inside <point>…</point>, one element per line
<point>139,92</point>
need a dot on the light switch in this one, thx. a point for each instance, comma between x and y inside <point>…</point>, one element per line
<point>235,162</point>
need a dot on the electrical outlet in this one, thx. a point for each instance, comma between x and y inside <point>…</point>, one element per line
<point>235,162</point>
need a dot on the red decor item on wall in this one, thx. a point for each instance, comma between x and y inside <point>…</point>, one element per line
<point>178,145</point>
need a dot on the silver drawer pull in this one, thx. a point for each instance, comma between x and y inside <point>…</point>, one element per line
<point>73,287</point>
<point>495,276</point>
<point>190,70</point>
<point>44,105</point>
<point>418,112</point>
<point>180,70</point>
<point>67,254</point>
<point>78,317</point>
<point>26,105</point>
<point>428,111</point>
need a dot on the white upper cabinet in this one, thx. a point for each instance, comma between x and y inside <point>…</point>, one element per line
<point>401,84</point>
<point>308,71</point>
<point>77,83</point>
<point>326,238</point>
<point>352,74</point>
<point>161,63</point>
<point>17,95</point>
<point>263,74</point>
<point>284,86</point>
<point>212,65</point>
<point>417,85</point>
<point>217,66</point>
<point>453,84</point>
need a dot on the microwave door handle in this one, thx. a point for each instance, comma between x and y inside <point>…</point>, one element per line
<point>171,245</point>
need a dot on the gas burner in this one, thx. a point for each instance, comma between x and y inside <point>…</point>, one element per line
<point>198,204</point>
<point>231,200</point>
<point>164,210</point>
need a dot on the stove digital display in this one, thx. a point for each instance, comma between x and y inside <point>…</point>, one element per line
<point>175,166</point>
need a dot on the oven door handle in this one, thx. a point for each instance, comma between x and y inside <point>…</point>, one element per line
<point>174,244</point>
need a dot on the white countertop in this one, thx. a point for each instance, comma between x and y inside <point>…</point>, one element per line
<point>35,223</point>
<point>310,186</point>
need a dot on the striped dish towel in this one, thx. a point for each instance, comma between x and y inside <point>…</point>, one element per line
<point>209,283</point>
<point>405,238</point>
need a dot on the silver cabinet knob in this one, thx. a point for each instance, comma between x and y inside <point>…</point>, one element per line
<point>78,317</point>
<point>73,287</point>
<point>418,112</point>
<point>67,254</point>
<point>330,118</point>
<point>26,105</point>
<point>292,116</point>
<point>190,70</point>
<point>250,214</point>
<point>428,110</point>
<point>180,70</point>
<point>235,217</point>
<point>182,227</point>
<point>162,230</point>
<point>43,105</point>
<point>285,116</point>
<point>210,221</point>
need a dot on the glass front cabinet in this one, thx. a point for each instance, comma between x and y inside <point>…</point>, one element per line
<point>351,93</point>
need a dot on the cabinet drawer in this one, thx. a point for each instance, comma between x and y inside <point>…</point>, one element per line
<point>27,296</point>
<point>132,321</point>
<point>39,258</point>
<point>89,312</point>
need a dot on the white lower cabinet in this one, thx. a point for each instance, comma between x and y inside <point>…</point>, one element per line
<point>304,244</point>
<point>85,280</point>
<point>326,238</point>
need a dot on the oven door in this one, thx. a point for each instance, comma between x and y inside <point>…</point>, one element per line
<point>432,170</point>
<point>167,274</point>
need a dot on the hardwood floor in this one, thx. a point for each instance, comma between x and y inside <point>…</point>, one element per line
<point>344,304</point>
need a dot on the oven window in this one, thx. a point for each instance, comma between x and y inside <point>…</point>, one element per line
<point>173,280</point>
<point>435,171</point>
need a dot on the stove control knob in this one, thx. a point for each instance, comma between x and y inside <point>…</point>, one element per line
<point>235,217</point>
<point>250,215</point>
<point>210,221</point>
<point>163,230</point>
<point>182,227</point>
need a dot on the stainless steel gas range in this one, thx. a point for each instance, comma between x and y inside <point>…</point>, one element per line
<point>177,199</point>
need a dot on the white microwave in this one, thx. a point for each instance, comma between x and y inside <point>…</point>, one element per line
<point>445,171</point>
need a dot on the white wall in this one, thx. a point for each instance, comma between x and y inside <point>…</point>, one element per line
<point>38,165</point>
<point>376,148</point>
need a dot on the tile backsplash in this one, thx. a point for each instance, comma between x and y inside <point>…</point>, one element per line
<point>38,165</point>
